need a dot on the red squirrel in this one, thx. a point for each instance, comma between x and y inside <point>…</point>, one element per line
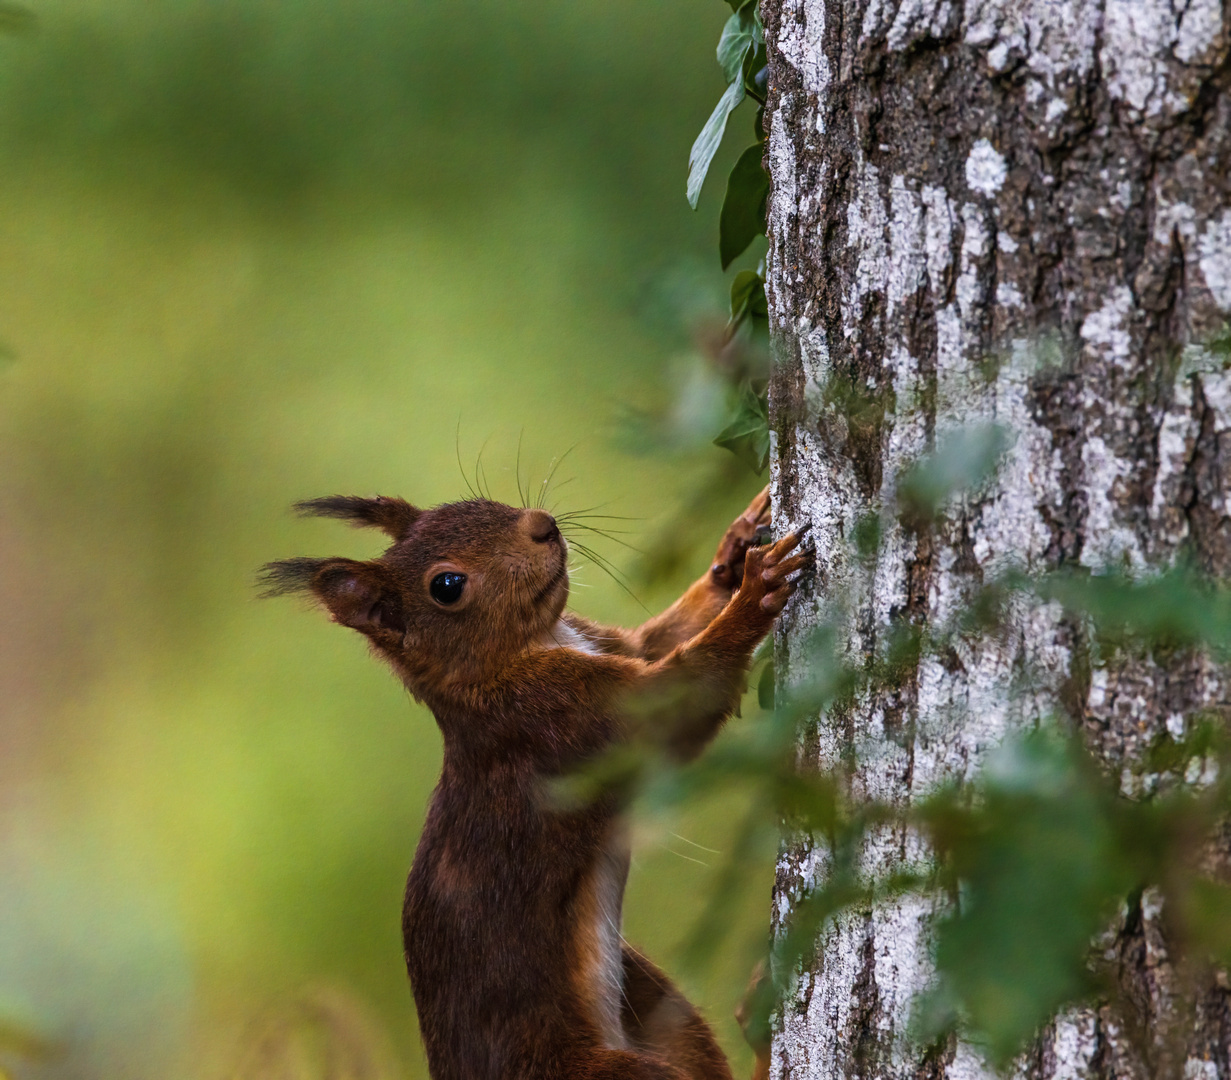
<point>511,921</point>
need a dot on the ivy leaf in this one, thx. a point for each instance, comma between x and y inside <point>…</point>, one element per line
<point>739,35</point>
<point>747,296</point>
<point>743,210</point>
<point>706,146</point>
<point>747,436</point>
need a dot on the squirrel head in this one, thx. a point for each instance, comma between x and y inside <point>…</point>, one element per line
<point>464,588</point>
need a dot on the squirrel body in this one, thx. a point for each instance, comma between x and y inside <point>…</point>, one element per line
<point>511,919</point>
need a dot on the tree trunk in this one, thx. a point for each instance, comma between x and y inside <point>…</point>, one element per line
<point>1018,211</point>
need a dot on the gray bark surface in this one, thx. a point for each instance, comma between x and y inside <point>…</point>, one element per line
<point>1045,184</point>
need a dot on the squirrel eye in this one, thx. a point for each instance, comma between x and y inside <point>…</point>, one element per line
<point>447,588</point>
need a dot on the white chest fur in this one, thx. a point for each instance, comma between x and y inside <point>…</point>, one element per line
<point>564,636</point>
<point>600,907</point>
<point>605,970</point>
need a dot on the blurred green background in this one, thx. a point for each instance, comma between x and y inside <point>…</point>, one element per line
<point>252,252</point>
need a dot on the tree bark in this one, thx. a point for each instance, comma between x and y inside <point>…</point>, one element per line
<point>1015,211</point>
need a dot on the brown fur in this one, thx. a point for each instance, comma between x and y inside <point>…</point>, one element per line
<point>511,915</point>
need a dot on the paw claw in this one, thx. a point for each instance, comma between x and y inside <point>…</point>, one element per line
<point>745,533</point>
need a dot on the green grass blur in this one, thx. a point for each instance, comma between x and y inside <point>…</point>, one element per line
<point>256,252</point>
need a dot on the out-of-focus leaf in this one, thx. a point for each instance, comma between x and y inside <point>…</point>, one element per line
<point>1220,343</point>
<point>1207,915</point>
<point>16,19</point>
<point>743,209</point>
<point>867,535</point>
<point>900,657</point>
<point>747,295</point>
<point>1041,871</point>
<point>1174,609</point>
<point>765,687</point>
<point>961,464</point>
<point>706,145</point>
<point>747,435</point>
<point>1171,755</point>
<point>738,37</point>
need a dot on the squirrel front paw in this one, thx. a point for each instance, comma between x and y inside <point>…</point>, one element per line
<point>728,568</point>
<point>768,570</point>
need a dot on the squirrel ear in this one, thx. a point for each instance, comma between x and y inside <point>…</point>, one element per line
<point>357,594</point>
<point>360,596</point>
<point>394,516</point>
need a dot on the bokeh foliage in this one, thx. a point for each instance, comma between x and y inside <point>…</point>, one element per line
<point>254,253</point>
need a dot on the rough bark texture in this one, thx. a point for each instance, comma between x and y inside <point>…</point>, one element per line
<point>1045,184</point>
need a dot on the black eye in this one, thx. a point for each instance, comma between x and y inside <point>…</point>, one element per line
<point>447,588</point>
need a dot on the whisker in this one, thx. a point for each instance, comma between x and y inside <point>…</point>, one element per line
<point>681,855</point>
<point>601,532</point>
<point>546,485</point>
<point>601,561</point>
<point>562,484</point>
<point>481,484</point>
<point>581,522</point>
<point>457,447</point>
<point>522,496</point>
<point>600,506</point>
<point>693,843</point>
<point>594,517</point>
<point>610,570</point>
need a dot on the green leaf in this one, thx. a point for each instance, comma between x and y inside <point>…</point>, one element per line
<point>1208,906</point>
<point>747,296</point>
<point>1042,870</point>
<point>739,36</point>
<point>742,288</point>
<point>765,687</point>
<point>747,435</point>
<point>706,146</point>
<point>743,210</point>
<point>1172,610</point>
<point>754,71</point>
<point>961,464</point>
<point>867,535</point>
<point>1220,344</point>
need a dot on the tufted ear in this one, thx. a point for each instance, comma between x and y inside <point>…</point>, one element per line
<point>394,516</point>
<point>358,594</point>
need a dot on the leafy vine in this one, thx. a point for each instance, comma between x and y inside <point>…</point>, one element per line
<point>741,55</point>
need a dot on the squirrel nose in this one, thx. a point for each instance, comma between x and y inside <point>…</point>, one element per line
<point>543,527</point>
